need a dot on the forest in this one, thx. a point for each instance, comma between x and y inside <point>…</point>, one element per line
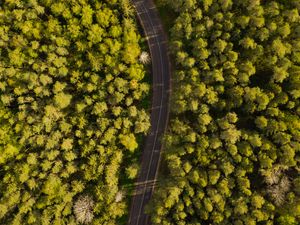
<point>232,150</point>
<point>72,110</point>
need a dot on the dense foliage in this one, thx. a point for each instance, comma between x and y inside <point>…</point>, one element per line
<point>71,88</point>
<point>233,146</point>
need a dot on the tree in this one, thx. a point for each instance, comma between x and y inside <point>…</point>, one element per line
<point>144,58</point>
<point>62,100</point>
<point>240,207</point>
<point>248,43</point>
<point>128,141</point>
<point>227,168</point>
<point>231,135</point>
<point>243,21</point>
<point>95,34</point>
<point>261,122</point>
<point>214,176</point>
<point>8,151</point>
<point>83,209</point>
<point>280,74</point>
<point>100,108</point>
<point>132,171</point>
<point>87,15</point>
<point>220,45</point>
<point>279,48</point>
<point>257,201</point>
<point>286,220</point>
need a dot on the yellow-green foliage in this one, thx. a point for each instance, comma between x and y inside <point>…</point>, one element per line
<point>70,88</point>
<point>234,141</point>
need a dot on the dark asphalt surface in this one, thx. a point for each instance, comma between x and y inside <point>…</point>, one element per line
<point>161,72</point>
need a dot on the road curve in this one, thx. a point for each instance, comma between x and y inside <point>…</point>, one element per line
<point>161,73</point>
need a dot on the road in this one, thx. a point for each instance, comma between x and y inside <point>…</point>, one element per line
<point>161,73</point>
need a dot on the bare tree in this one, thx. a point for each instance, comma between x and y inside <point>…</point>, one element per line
<point>83,209</point>
<point>145,58</point>
<point>278,190</point>
<point>119,196</point>
<point>277,194</point>
<point>285,184</point>
<point>278,184</point>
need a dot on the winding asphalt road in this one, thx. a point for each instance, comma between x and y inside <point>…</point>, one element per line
<point>161,73</point>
